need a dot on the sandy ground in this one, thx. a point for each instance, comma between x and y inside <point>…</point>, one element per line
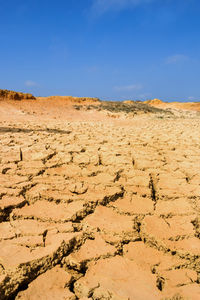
<point>93,207</point>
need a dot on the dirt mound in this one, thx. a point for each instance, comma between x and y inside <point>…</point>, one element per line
<point>128,108</point>
<point>11,95</point>
<point>71,100</point>
<point>154,102</point>
<point>128,101</point>
<point>194,106</point>
<point>185,106</point>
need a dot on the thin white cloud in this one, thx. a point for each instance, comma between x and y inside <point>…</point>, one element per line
<point>173,59</point>
<point>102,6</point>
<point>30,83</point>
<point>132,87</point>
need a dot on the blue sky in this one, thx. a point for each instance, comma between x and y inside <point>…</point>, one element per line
<point>111,49</point>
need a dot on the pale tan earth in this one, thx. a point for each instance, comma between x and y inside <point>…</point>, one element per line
<point>98,207</point>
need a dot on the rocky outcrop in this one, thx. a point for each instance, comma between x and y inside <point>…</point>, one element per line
<point>11,95</point>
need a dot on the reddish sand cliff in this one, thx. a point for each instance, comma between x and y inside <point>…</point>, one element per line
<point>11,95</point>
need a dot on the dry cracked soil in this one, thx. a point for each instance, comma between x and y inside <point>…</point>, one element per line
<point>99,209</point>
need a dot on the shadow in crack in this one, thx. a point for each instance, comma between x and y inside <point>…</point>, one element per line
<point>27,130</point>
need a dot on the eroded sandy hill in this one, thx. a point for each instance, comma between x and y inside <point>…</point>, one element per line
<point>70,100</point>
<point>12,95</point>
<point>191,106</point>
<point>96,207</point>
